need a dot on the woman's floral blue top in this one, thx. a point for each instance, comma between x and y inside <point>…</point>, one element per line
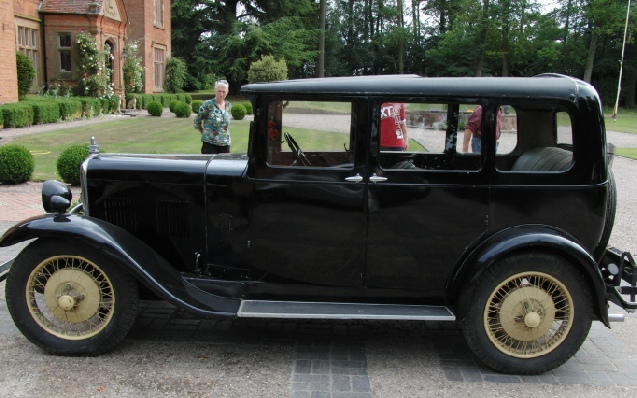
<point>215,123</point>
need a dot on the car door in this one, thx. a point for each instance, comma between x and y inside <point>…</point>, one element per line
<point>308,212</point>
<point>427,205</point>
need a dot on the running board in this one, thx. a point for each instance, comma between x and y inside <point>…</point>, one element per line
<point>312,310</point>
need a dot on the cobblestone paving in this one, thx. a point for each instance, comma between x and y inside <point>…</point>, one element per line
<point>331,357</point>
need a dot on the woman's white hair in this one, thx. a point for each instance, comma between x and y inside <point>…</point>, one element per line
<point>221,83</point>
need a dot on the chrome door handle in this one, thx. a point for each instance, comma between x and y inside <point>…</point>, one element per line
<point>357,178</point>
<point>374,178</point>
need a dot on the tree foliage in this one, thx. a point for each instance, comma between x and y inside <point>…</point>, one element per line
<point>175,75</point>
<point>580,38</point>
<point>267,69</point>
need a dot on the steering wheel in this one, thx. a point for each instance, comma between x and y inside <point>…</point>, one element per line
<point>294,147</point>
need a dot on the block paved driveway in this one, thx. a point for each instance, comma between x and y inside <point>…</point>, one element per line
<point>170,352</point>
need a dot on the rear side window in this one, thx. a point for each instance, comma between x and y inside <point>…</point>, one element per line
<point>543,141</point>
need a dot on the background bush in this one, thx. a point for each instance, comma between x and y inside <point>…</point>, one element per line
<point>248,106</point>
<point>16,164</point>
<point>155,108</point>
<point>172,105</point>
<point>238,112</point>
<point>26,73</point>
<point>182,109</point>
<point>69,162</point>
<point>267,69</point>
<point>195,105</point>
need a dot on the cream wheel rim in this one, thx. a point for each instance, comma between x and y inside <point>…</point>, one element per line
<point>70,297</point>
<point>528,315</point>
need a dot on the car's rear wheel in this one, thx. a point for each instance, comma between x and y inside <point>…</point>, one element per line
<point>69,299</point>
<point>527,314</point>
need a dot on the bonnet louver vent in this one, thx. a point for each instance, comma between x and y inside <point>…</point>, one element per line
<point>170,218</point>
<point>121,212</point>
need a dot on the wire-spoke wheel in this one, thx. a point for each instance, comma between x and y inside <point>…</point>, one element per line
<point>69,299</point>
<point>527,314</point>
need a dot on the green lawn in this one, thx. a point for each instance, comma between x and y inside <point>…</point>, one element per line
<point>175,135</point>
<point>131,135</point>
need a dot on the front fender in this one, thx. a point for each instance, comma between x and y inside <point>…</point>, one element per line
<point>533,237</point>
<point>126,250</point>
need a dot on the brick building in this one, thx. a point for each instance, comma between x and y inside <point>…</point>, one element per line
<point>46,31</point>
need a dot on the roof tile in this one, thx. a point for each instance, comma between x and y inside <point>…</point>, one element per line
<point>69,6</point>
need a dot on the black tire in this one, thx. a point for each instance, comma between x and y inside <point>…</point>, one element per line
<point>550,310</point>
<point>609,222</point>
<point>69,299</point>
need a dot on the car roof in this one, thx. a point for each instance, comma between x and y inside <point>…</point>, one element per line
<point>541,86</point>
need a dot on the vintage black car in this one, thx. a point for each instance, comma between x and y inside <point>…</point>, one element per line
<point>316,221</point>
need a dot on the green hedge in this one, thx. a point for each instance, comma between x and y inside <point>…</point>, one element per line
<point>91,106</point>
<point>70,109</point>
<point>202,96</point>
<point>45,112</point>
<point>17,115</point>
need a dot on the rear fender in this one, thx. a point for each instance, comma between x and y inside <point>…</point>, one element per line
<point>126,250</point>
<point>531,237</point>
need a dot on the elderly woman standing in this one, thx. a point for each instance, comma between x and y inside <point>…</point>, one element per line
<point>213,121</point>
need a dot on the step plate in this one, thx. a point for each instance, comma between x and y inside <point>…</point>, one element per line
<point>312,310</point>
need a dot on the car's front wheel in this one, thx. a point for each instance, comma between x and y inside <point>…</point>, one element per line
<point>69,299</point>
<point>527,314</point>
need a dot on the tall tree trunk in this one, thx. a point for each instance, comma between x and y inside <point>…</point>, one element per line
<point>415,17</point>
<point>482,37</point>
<point>401,40</point>
<point>320,72</point>
<point>506,27</point>
<point>590,59</point>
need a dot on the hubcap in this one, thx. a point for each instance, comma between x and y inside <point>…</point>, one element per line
<point>66,303</point>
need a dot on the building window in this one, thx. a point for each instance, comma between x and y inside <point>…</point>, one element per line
<point>65,52</point>
<point>160,67</point>
<point>28,45</point>
<point>159,13</point>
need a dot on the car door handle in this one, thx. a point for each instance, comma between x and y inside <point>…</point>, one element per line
<point>374,178</point>
<point>357,178</point>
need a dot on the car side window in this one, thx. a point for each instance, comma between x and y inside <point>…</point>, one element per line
<point>310,134</point>
<point>426,136</point>
<point>544,141</point>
